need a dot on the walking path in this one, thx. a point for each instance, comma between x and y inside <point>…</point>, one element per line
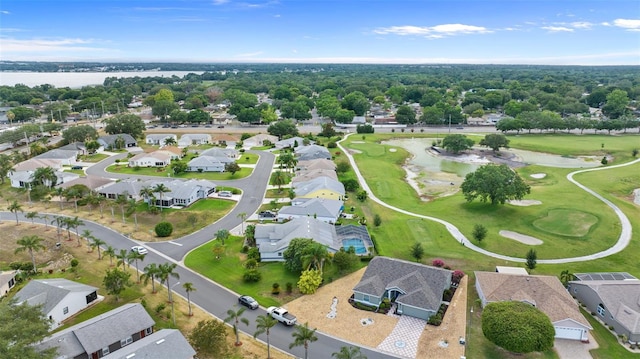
<point>623,240</point>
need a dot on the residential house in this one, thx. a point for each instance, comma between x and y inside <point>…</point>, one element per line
<point>22,179</point>
<point>229,153</point>
<point>93,183</point>
<point>359,120</point>
<point>325,210</point>
<point>7,281</point>
<point>109,142</point>
<point>259,140</point>
<point>304,176</point>
<point>194,139</point>
<point>273,239</point>
<point>153,159</point>
<point>159,139</point>
<point>181,193</point>
<point>291,143</point>
<point>66,157</point>
<point>319,164</point>
<point>79,147</point>
<point>320,187</point>
<point>417,290</point>
<point>173,151</point>
<point>543,292</point>
<point>613,297</point>
<point>212,160</point>
<point>60,298</point>
<point>226,140</point>
<point>34,163</point>
<point>163,344</point>
<point>100,336</point>
<point>312,152</point>
<point>131,186</point>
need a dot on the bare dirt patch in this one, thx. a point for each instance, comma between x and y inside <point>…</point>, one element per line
<point>525,202</point>
<point>440,184</point>
<point>522,238</point>
<point>538,175</point>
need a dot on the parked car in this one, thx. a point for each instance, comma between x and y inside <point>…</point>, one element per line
<point>139,249</point>
<point>207,126</point>
<point>225,194</point>
<point>282,315</point>
<point>221,126</point>
<point>248,302</point>
<point>76,167</point>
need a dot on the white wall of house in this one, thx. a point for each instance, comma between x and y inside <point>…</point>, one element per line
<point>74,302</point>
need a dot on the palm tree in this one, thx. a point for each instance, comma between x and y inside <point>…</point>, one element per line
<point>566,276</point>
<point>135,256</point>
<point>96,243</point>
<point>132,208</point>
<point>264,323</point>
<point>121,201</point>
<point>92,199</point>
<point>167,271</point>
<point>75,194</point>
<point>14,208</point>
<point>122,257</point>
<point>32,216</point>
<point>150,272</point>
<point>45,219</point>
<point>349,353</point>
<point>222,235</point>
<point>31,244</point>
<point>100,200</point>
<point>314,256</point>
<point>59,191</point>
<point>243,216</point>
<point>111,252</point>
<point>279,178</point>
<point>147,194</point>
<point>235,316</point>
<point>188,287</point>
<point>302,336</point>
<point>161,189</point>
<point>75,223</point>
<point>169,141</point>
<point>59,223</point>
<point>45,176</point>
<point>88,237</point>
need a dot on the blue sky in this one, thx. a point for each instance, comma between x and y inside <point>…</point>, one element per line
<point>578,32</point>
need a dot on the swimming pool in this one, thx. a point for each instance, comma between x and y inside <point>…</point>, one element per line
<point>357,244</point>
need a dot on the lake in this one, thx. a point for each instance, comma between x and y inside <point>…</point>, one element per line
<point>77,79</point>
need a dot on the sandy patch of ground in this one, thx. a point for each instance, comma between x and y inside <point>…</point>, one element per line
<point>522,238</point>
<point>525,202</point>
<point>357,142</point>
<point>538,175</point>
<point>348,321</point>
<point>636,196</point>
<point>393,150</point>
<point>432,185</point>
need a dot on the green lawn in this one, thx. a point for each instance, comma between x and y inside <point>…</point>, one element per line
<point>96,157</point>
<point>166,172</point>
<point>248,159</point>
<point>609,346</point>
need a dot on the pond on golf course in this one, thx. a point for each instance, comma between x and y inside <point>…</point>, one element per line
<point>432,175</point>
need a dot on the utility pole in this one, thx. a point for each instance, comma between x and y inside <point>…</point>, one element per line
<point>449,123</point>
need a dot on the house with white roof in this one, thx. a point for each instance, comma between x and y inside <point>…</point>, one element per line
<point>60,298</point>
<point>259,140</point>
<point>159,139</point>
<point>153,159</point>
<point>291,142</point>
<point>304,176</point>
<point>194,139</point>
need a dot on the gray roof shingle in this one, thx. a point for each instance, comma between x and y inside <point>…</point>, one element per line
<point>163,344</point>
<point>50,292</point>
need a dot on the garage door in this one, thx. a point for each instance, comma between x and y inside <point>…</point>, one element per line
<point>568,333</point>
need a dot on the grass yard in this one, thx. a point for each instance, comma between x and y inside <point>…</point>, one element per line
<point>248,159</point>
<point>228,271</point>
<point>166,172</point>
<point>96,157</point>
<point>609,346</point>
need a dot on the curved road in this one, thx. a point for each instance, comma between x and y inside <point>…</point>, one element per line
<point>623,239</point>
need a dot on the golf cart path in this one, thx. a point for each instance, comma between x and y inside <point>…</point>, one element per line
<point>623,240</point>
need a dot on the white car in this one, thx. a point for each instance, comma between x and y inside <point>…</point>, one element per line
<point>139,249</point>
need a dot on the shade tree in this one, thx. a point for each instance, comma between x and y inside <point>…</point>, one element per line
<point>496,184</point>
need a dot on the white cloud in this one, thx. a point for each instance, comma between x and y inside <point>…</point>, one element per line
<point>43,45</point>
<point>629,24</point>
<point>437,31</point>
<point>605,24</point>
<point>557,29</point>
<point>581,25</point>
<point>4,12</point>
<point>276,15</point>
<point>220,2</point>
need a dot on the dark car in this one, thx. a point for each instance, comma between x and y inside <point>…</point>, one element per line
<point>248,302</point>
<point>221,126</point>
<point>76,167</point>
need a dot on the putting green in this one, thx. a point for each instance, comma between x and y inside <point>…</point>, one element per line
<point>566,222</point>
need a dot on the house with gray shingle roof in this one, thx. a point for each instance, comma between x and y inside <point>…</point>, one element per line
<point>102,335</point>
<point>416,289</point>
<point>259,140</point>
<point>22,179</point>
<point>153,159</point>
<point>109,141</point>
<point>163,344</point>
<point>312,152</point>
<point>93,183</point>
<point>212,160</point>
<point>319,164</point>
<point>273,239</point>
<point>291,142</point>
<point>614,297</point>
<point>66,157</point>
<point>541,291</point>
<point>325,210</point>
<point>60,298</point>
<point>319,187</point>
<point>303,176</point>
<point>181,193</point>
<point>131,186</point>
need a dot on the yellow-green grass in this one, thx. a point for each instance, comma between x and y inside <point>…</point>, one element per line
<point>608,344</point>
<point>247,159</point>
<point>167,172</point>
<point>566,222</point>
<point>96,157</point>
<point>386,178</point>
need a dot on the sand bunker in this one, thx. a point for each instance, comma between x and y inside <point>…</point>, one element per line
<point>525,202</point>
<point>538,175</point>
<point>357,142</point>
<point>522,238</point>
<point>392,150</point>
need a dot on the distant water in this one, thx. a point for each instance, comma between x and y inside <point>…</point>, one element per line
<point>77,79</point>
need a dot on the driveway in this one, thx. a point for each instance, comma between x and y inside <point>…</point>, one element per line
<point>574,349</point>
